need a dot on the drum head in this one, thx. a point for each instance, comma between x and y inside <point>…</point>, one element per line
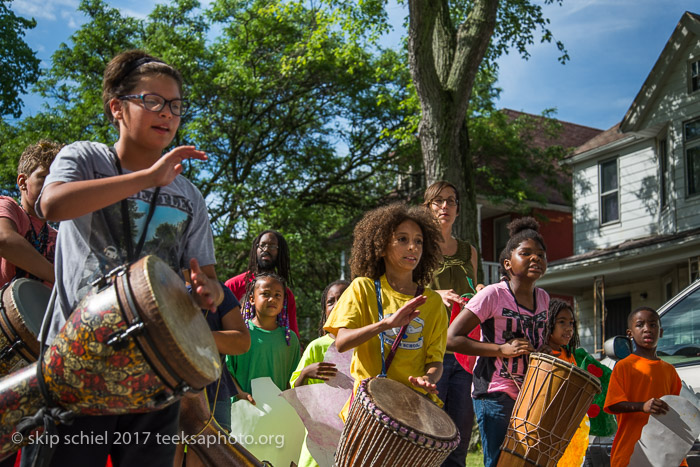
<point>411,409</point>
<point>31,298</point>
<point>538,358</point>
<point>178,327</point>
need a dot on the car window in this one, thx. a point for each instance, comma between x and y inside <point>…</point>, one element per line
<point>681,324</point>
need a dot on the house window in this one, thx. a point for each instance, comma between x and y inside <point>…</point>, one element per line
<point>694,76</point>
<point>691,135</point>
<point>693,268</point>
<point>664,176</point>
<point>609,193</point>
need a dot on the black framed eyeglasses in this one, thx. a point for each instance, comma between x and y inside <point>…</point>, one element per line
<point>156,103</point>
<point>439,202</point>
<point>267,247</point>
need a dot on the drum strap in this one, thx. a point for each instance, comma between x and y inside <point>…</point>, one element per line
<point>387,362</point>
<point>133,255</point>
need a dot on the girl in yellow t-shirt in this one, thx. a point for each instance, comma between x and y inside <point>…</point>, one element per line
<point>395,250</point>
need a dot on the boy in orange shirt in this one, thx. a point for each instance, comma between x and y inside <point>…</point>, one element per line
<point>637,383</point>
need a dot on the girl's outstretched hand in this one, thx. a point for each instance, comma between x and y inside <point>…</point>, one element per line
<point>449,297</point>
<point>320,370</point>
<point>406,313</point>
<point>423,382</point>
<point>169,166</point>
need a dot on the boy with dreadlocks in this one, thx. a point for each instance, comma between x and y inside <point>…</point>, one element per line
<point>269,253</point>
<point>274,350</point>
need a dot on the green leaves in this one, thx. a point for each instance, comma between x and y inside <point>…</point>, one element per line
<point>19,66</point>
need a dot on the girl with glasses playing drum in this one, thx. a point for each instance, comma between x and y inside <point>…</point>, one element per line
<point>120,203</point>
<point>395,249</point>
<point>512,315</point>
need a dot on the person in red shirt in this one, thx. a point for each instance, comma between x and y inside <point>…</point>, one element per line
<point>637,383</point>
<point>269,253</point>
<point>27,243</point>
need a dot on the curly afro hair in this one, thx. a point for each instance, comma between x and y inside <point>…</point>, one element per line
<point>374,232</point>
<point>525,228</point>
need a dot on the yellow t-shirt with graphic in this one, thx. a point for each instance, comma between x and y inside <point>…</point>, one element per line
<point>423,343</point>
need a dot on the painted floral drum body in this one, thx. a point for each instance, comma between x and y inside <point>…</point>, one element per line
<point>134,346</point>
<point>20,397</point>
<point>391,424</point>
<point>22,306</point>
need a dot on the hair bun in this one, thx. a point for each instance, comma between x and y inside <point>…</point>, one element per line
<point>524,223</point>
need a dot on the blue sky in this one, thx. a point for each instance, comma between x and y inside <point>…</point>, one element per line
<point>613,45</point>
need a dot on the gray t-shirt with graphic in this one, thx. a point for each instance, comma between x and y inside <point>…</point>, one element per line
<point>92,245</point>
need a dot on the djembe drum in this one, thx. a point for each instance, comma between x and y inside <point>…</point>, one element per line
<point>552,402</point>
<point>391,424</point>
<point>135,346</point>
<point>22,306</point>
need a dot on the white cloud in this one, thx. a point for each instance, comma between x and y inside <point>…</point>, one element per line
<point>46,9</point>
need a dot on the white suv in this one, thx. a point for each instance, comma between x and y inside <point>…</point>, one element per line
<point>680,344</point>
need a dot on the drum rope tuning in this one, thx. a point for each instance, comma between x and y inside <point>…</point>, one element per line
<point>9,331</point>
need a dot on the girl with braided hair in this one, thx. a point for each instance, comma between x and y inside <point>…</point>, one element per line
<point>274,349</point>
<point>269,253</point>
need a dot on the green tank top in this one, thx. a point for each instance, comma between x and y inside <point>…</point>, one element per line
<point>453,271</point>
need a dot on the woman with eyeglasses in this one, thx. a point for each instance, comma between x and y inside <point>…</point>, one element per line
<point>451,281</point>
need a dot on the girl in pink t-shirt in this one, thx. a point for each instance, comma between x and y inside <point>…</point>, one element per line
<point>512,315</point>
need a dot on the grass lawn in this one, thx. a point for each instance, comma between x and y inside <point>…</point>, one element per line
<point>475,459</point>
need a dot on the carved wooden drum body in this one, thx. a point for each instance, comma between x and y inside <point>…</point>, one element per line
<point>22,306</point>
<point>550,406</point>
<point>391,424</point>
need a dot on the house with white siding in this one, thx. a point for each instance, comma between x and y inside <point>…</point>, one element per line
<point>636,194</point>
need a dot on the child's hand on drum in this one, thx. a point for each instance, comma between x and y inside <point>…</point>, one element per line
<point>406,313</point>
<point>515,348</point>
<point>424,383</point>
<point>205,290</point>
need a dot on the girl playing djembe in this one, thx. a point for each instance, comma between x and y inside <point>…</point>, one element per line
<point>395,249</point>
<point>512,315</point>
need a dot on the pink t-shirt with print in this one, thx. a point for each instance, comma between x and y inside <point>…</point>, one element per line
<point>502,320</point>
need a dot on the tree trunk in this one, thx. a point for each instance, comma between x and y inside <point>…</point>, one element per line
<point>444,62</point>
